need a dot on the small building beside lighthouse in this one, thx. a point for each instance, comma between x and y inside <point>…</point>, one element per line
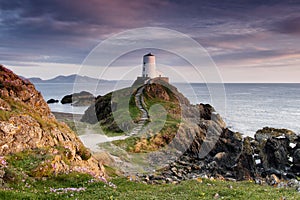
<point>149,72</point>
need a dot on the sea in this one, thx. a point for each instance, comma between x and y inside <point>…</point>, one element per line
<point>248,106</point>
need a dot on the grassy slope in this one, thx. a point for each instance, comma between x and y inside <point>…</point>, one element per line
<point>165,135</point>
<point>131,190</point>
<point>125,116</point>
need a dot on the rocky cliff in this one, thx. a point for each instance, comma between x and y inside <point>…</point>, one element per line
<point>29,130</point>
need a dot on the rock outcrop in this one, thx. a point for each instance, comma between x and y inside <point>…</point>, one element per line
<point>52,101</point>
<point>27,126</point>
<point>122,103</point>
<point>82,98</point>
<point>272,157</point>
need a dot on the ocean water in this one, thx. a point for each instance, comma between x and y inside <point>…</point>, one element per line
<point>249,107</point>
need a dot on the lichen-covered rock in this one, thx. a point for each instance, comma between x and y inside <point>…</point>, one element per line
<point>277,150</point>
<point>19,90</point>
<point>267,132</point>
<point>26,124</point>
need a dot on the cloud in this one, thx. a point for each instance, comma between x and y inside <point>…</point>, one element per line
<point>290,25</point>
<point>262,54</point>
<point>56,28</point>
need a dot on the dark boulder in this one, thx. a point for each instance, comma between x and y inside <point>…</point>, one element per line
<point>275,153</point>
<point>100,110</point>
<point>231,143</point>
<point>66,99</point>
<point>52,101</point>
<point>296,162</point>
<point>206,111</point>
<point>277,149</point>
<point>245,168</point>
<point>79,99</point>
<point>268,132</point>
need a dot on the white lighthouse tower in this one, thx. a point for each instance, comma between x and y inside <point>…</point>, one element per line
<point>149,74</point>
<point>149,66</point>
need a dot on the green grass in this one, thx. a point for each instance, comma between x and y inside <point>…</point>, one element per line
<point>4,115</point>
<point>127,143</point>
<point>127,114</point>
<point>134,111</point>
<point>106,129</point>
<point>37,162</point>
<point>131,190</point>
<point>123,118</point>
<point>28,161</point>
<point>168,131</point>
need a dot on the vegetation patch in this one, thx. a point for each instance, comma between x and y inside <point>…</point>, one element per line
<point>80,186</point>
<point>28,161</point>
<point>4,115</point>
<point>166,98</point>
<point>84,153</point>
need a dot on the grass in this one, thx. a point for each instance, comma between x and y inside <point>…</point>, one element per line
<point>161,135</point>
<point>206,189</point>
<point>37,162</point>
<point>27,161</point>
<point>4,115</point>
<point>124,115</point>
<point>83,186</point>
<point>126,144</point>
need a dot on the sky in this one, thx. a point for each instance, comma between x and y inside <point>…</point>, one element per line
<point>249,40</point>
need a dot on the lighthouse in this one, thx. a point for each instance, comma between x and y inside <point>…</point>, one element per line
<point>149,66</point>
<point>149,73</point>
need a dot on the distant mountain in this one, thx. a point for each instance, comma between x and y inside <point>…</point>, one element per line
<point>67,79</point>
<point>34,80</point>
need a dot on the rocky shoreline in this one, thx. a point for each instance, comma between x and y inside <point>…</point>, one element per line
<point>272,158</point>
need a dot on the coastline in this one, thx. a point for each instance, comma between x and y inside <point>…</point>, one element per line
<point>62,116</point>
